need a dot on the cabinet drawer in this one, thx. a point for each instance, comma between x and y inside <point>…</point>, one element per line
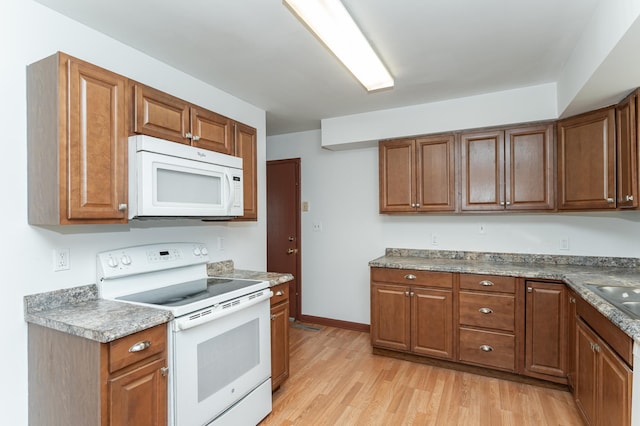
<point>280,293</point>
<point>487,310</point>
<point>150,342</point>
<point>492,283</point>
<point>413,277</point>
<point>488,348</point>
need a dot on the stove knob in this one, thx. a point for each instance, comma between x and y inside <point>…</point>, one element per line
<point>126,260</point>
<point>196,251</point>
<point>204,251</point>
<point>112,262</point>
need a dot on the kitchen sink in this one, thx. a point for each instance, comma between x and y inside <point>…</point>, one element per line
<point>624,298</point>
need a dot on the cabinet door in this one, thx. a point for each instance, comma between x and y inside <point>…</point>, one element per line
<point>626,149</point>
<point>97,146</point>
<point>529,179</point>
<point>279,344</point>
<point>435,170</point>
<point>614,388</point>
<point>139,397</point>
<point>246,148</point>
<point>160,115</point>
<point>482,171</point>
<point>571,339</point>
<point>397,176</point>
<point>586,161</point>
<point>390,316</point>
<point>432,319</point>
<point>545,322</point>
<point>211,131</point>
<point>585,391</point>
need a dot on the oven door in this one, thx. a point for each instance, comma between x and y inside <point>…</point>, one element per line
<point>219,362</point>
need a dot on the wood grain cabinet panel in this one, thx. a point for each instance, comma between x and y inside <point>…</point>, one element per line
<point>415,317</point>
<point>586,161</point>
<point>75,381</point>
<point>245,147</point>
<point>627,151</point>
<point>279,335</point>
<point>510,169</point>
<point>571,338</point>
<point>545,329</point>
<point>495,311</point>
<point>164,116</point>
<point>77,143</point>
<point>417,175</point>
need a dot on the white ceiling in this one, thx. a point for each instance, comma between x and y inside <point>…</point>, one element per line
<point>257,50</point>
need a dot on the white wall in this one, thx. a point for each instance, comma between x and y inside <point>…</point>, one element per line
<point>342,190</point>
<point>28,32</point>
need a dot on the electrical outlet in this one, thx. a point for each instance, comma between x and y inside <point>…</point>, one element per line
<point>220,243</point>
<point>61,259</point>
<point>483,228</point>
<point>564,243</point>
<point>434,239</point>
<point>317,226</point>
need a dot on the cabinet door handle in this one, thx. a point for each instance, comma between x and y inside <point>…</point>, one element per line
<point>140,346</point>
<point>485,310</point>
<point>610,200</point>
<point>195,138</point>
<point>409,277</point>
<point>279,293</point>
<point>529,290</point>
<point>273,317</point>
<point>486,283</point>
<point>406,293</point>
<point>164,371</point>
<point>122,207</point>
<point>572,300</point>
<point>188,135</point>
<point>486,348</point>
<point>628,198</point>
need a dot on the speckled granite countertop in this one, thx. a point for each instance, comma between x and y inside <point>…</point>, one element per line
<point>575,271</point>
<point>79,310</point>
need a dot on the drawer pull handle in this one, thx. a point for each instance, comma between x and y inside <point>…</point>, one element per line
<point>486,283</point>
<point>486,348</point>
<point>410,277</point>
<point>140,346</point>
<point>485,310</point>
<point>279,293</point>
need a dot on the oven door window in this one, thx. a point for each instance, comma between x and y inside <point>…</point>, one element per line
<point>224,358</point>
<point>219,362</point>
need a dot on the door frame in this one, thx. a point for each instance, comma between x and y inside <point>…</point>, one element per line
<point>298,218</point>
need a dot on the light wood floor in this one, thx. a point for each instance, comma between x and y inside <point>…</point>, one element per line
<point>335,380</point>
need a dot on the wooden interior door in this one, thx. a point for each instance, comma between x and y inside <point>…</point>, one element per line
<point>283,225</point>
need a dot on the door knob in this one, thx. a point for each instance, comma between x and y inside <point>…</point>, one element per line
<point>292,251</point>
<point>292,238</point>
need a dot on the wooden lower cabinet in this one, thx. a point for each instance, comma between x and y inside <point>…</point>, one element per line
<point>603,381</point>
<point>416,317</point>
<point>73,380</point>
<point>571,302</point>
<point>546,330</point>
<point>279,335</point>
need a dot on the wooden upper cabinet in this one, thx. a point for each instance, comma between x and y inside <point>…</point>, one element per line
<point>586,161</point>
<point>160,115</point>
<point>211,131</point>
<point>246,148</point>
<point>508,170</point>
<point>482,170</point>
<point>529,168</point>
<point>166,117</point>
<point>435,173</point>
<point>417,174</point>
<point>626,152</point>
<point>396,175</point>
<point>77,143</point>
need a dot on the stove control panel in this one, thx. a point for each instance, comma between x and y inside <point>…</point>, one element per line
<point>149,258</point>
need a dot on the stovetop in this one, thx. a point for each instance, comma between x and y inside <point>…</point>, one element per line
<point>170,276</point>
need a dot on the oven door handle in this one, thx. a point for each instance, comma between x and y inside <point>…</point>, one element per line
<point>191,320</point>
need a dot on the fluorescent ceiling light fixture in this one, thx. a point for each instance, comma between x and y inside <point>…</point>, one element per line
<point>332,24</point>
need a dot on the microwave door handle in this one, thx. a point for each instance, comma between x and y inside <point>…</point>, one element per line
<point>230,195</point>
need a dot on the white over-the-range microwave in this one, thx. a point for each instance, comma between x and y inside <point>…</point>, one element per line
<point>172,180</point>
